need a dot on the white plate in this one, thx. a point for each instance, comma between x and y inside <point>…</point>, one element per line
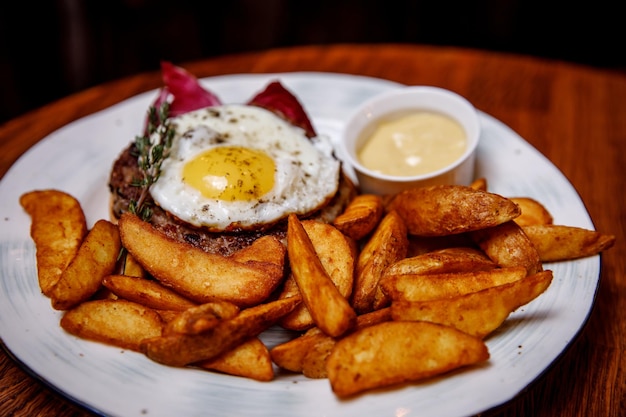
<point>109,381</point>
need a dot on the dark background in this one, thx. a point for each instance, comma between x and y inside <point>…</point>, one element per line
<point>51,48</point>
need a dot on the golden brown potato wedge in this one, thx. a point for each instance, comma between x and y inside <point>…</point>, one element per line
<point>185,349</point>
<point>391,353</point>
<point>251,359</point>
<point>507,245</point>
<point>132,268</point>
<point>96,258</point>
<point>442,261</point>
<point>197,275</point>
<point>338,256</point>
<point>314,361</point>
<point>198,319</point>
<point>387,245</point>
<point>147,292</point>
<point>330,310</point>
<point>561,243</point>
<point>450,209</point>
<point>415,287</point>
<point>478,313</point>
<point>267,254</point>
<point>58,227</point>
<point>290,355</point>
<point>533,212</point>
<point>119,323</point>
<point>361,216</point>
<point>479,184</point>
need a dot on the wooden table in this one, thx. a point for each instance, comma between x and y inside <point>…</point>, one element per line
<point>574,115</point>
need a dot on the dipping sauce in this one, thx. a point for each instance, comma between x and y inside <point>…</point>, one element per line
<point>413,144</point>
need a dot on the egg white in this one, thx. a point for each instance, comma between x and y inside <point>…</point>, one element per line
<point>305,178</point>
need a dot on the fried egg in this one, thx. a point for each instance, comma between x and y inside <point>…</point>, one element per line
<point>240,167</point>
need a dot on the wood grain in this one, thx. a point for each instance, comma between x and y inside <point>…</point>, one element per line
<point>573,114</point>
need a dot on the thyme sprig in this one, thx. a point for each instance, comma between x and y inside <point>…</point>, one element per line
<point>153,147</point>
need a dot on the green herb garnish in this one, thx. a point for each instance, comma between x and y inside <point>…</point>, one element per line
<point>152,149</point>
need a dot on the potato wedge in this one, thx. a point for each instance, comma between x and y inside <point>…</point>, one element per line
<point>361,216</point>
<point>199,319</point>
<point>251,359</point>
<point>118,323</point>
<point>442,261</point>
<point>185,349</point>
<point>132,268</point>
<point>561,243</point>
<point>416,287</point>
<point>197,275</point>
<point>507,245</point>
<point>533,212</point>
<point>58,227</point>
<point>147,292</point>
<point>337,254</point>
<point>96,258</point>
<point>330,310</point>
<point>478,313</point>
<point>314,361</point>
<point>387,245</point>
<point>290,355</point>
<point>441,210</point>
<point>479,184</point>
<point>267,254</point>
<point>391,353</point>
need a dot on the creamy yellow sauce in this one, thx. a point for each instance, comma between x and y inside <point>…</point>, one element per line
<point>413,144</point>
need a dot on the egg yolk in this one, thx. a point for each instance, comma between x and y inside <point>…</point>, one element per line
<point>231,173</point>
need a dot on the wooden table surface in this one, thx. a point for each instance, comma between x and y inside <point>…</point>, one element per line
<point>575,116</point>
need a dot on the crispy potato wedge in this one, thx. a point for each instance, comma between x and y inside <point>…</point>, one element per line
<point>198,319</point>
<point>361,216</point>
<point>185,349</point>
<point>387,245</point>
<point>441,210</point>
<point>416,287</point>
<point>96,258</point>
<point>391,353</point>
<point>290,355</point>
<point>58,227</point>
<point>118,323</point>
<point>561,243</point>
<point>267,254</point>
<point>479,184</point>
<point>338,256</point>
<point>478,313</point>
<point>148,292</point>
<point>330,310</point>
<point>251,359</point>
<point>314,361</point>
<point>442,261</point>
<point>507,245</point>
<point>132,268</point>
<point>197,275</point>
<point>533,212</point>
